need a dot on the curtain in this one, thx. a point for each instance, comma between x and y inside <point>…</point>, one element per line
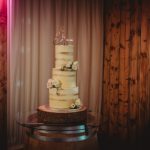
<point>32,28</point>
<point>3,73</point>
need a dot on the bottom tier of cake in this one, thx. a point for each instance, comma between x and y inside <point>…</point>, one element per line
<point>62,116</point>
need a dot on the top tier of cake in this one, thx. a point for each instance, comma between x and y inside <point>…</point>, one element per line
<point>63,55</point>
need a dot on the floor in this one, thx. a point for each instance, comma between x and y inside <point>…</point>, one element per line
<point>96,143</point>
<point>142,143</point>
<point>88,145</point>
<point>33,144</point>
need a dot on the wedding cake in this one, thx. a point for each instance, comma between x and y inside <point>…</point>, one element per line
<point>64,105</point>
<point>63,91</point>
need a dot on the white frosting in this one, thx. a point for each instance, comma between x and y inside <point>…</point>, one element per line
<point>67,78</point>
<point>58,63</point>
<point>64,97</point>
<point>69,91</point>
<point>60,104</point>
<point>67,57</point>
<point>63,73</point>
<point>63,48</point>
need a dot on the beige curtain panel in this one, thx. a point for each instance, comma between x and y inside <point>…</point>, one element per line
<point>32,27</point>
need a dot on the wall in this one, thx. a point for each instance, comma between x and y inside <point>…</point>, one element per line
<point>3,68</point>
<point>126,79</point>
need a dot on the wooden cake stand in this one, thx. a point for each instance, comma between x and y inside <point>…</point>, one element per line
<point>62,116</point>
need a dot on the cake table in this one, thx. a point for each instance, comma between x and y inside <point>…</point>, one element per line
<point>56,132</point>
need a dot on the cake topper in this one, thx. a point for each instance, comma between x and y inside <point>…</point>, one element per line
<point>60,37</point>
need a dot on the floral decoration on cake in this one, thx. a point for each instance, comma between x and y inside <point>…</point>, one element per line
<point>53,83</point>
<point>76,104</point>
<point>70,66</point>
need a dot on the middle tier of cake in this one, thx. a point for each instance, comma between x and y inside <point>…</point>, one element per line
<point>67,78</point>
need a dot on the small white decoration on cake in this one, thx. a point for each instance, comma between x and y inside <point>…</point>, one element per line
<point>70,66</point>
<point>75,65</point>
<point>61,67</point>
<point>73,106</point>
<point>76,104</point>
<point>53,83</point>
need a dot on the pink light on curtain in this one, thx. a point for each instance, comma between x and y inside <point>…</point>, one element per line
<point>3,4</point>
<point>3,11</point>
<point>3,73</point>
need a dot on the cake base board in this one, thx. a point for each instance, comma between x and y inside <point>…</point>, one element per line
<point>62,116</point>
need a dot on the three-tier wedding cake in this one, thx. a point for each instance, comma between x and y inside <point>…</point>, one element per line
<point>64,102</point>
<point>63,91</point>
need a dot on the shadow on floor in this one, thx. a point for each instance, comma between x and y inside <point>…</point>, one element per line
<point>141,143</point>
